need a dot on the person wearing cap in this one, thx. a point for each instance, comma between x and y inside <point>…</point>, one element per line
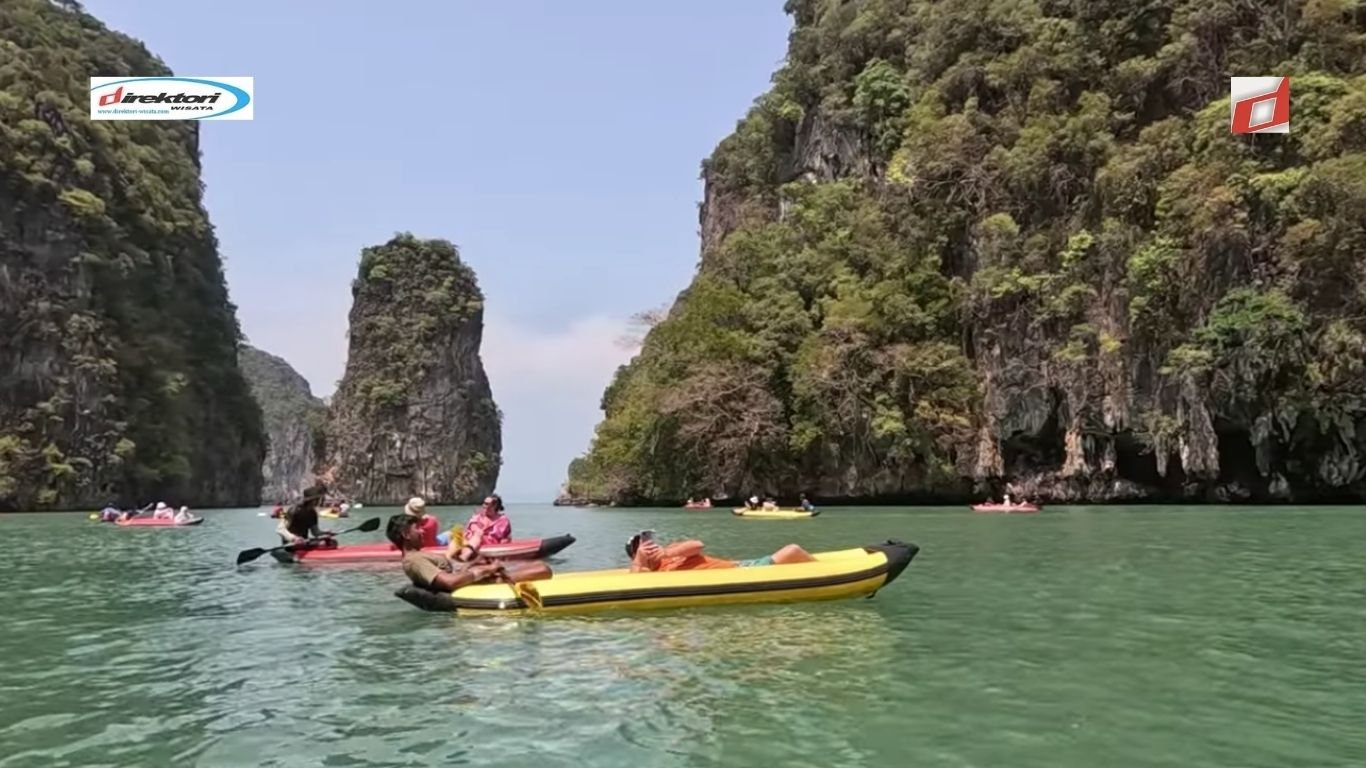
<point>752,502</point>
<point>299,523</point>
<point>488,525</point>
<point>427,524</point>
<point>647,555</point>
<point>163,511</point>
<point>440,573</point>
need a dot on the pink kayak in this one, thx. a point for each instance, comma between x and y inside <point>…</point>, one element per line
<point>1011,509</point>
<point>517,549</point>
<point>158,522</point>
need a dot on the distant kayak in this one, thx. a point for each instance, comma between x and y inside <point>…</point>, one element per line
<point>158,522</point>
<point>1006,509</point>
<point>834,575</point>
<point>329,512</point>
<point>775,514</point>
<point>517,549</point>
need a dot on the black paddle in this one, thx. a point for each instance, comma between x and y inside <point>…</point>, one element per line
<point>247,555</point>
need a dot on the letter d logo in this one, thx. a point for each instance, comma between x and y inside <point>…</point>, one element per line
<point>112,98</point>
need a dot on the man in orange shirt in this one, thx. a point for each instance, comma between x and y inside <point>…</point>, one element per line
<point>647,555</point>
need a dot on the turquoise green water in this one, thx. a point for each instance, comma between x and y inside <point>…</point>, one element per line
<point>1077,637</point>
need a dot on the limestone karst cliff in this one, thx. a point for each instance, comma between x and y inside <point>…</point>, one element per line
<point>960,247</point>
<point>295,423</point>
<point>118,343</point>
<point>414,413</point>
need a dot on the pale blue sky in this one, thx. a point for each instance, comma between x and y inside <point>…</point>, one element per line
<point>557,144</point>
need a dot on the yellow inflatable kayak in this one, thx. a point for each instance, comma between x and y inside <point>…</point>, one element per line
<point>332,513</point>
<point>775,514</point>
<point>833,576</point>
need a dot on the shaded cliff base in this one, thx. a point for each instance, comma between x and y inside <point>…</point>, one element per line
<point>1117,469</point>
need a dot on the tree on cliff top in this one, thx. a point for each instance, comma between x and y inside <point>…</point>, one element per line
<point>118,344</point>
<point>965,240</point>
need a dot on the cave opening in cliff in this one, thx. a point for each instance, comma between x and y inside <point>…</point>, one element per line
<point>1024,453</point>
<point>1238,459</point>
<point>1137,461</point>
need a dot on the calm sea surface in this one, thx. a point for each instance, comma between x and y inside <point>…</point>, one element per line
<point>1086,637</point>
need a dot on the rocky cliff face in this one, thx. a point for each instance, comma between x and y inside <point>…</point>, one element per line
<point>295,422</point>
<point>414,413</point>
<point>118,344</point>
<point>964,247</point>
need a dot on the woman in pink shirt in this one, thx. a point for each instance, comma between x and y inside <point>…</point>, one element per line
<point>488,525</point>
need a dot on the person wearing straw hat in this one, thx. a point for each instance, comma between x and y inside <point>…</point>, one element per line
<point>427,524</point>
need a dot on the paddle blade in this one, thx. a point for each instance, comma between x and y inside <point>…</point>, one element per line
<point>369,525</point>
<point>529,595</point>
<point>247,555</point>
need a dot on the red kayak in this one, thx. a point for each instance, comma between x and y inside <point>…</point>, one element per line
<point>1011,509</point>
<point>161,522</point>
<point>517,549</point>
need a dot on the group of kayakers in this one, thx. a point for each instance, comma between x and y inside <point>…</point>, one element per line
<point>462,564</point>
<point>163,511</point>
<point>299,523</point>
<point>416,534</point>
<point>752,503</point>
<point>769,503</point>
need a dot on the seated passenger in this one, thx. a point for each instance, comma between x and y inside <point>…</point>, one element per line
<point>439,573</point>
<point>428,524</point>
<point>647,555</point>
<point>488,525</point>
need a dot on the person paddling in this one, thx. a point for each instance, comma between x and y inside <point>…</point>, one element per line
<point>439,573</point>
<point>299,523</point>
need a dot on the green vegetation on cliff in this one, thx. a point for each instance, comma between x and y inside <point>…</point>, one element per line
<point>1014,240</point>
<point>118,344</point>
<point>414,413</point>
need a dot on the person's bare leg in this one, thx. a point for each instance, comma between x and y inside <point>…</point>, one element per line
<point>534,570</point>
<point>792,554</point>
